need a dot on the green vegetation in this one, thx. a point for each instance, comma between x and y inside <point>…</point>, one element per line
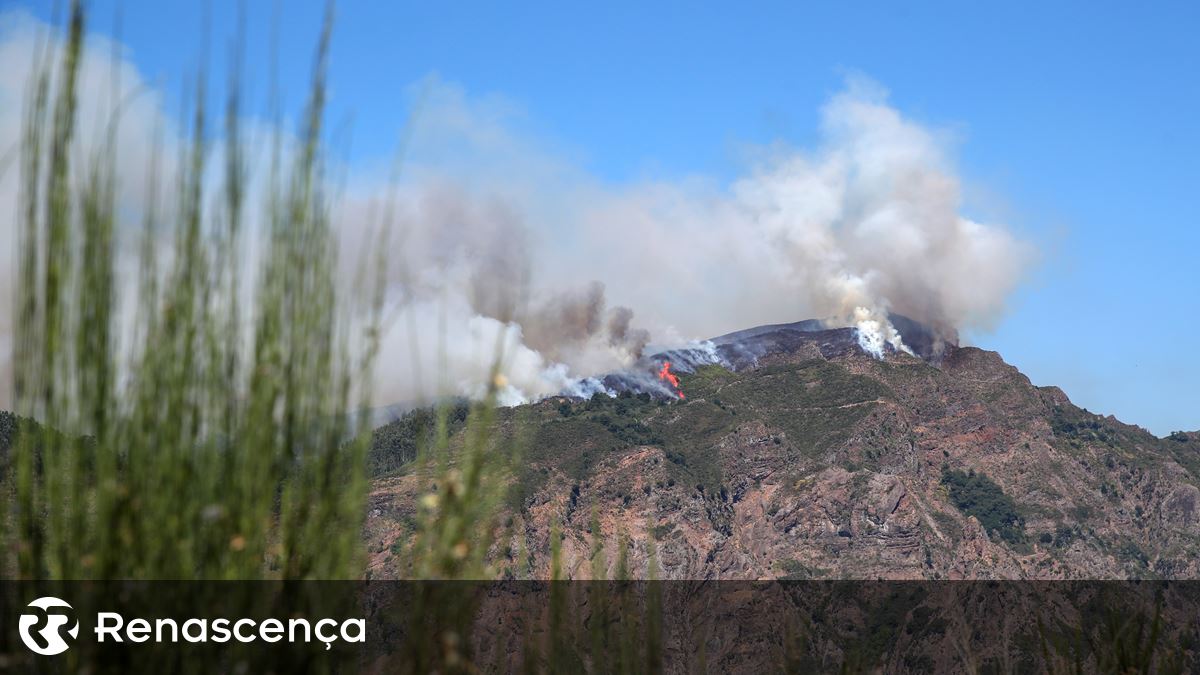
<point>1185,449</point>
<point>401,442</point>
<point>976,495</point>
<point>1081,428</point>
<point>816,403</point>
<point>460,518</point>
<point>192,455</point>
<point>1077,428</point>
<point>10,431</point>
<point>9,425</point>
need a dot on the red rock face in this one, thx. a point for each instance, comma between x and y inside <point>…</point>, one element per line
<point>822,462</point>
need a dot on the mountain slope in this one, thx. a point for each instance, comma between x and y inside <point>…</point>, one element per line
<point>811,459</point>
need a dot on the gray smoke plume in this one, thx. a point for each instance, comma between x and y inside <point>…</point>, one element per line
<point>462,279</point>
<point>503,246</point>
<point>576,318</point>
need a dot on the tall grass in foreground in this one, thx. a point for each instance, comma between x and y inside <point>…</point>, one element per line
<point>218,446</point>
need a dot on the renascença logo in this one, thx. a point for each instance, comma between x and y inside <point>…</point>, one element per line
<point>46,625</point>
<point>48,622</point>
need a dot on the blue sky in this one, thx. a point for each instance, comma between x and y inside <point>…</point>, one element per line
<point>1075,125</point>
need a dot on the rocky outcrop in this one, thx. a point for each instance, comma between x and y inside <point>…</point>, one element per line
<point>812,459</point>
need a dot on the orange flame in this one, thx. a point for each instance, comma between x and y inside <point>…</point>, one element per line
<point>666,375</point>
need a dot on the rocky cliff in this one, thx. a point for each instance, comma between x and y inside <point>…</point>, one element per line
<point>795,454</point>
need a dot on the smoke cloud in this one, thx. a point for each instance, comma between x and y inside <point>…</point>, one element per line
<point>105,84</point>
<point>504,245</point>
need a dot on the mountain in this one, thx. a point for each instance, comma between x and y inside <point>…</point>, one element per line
<point>796,454</point>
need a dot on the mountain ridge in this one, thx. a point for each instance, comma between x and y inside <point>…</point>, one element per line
<point>812,459</point>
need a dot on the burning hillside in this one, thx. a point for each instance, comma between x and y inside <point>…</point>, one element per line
<point>670,378</point>
<point>790,451</point>
<point>657,374</point>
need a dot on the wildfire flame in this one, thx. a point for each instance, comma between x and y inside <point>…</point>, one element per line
<point>666,375</point>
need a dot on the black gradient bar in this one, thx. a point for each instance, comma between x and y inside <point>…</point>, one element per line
<point>635,626</point>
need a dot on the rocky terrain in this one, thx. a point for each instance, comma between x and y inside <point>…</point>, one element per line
<point>797,455</point>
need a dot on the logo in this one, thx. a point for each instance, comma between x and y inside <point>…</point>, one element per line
<point>46,624</point>
<point>49,627</point>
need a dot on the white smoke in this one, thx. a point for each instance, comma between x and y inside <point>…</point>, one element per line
<point>22,39</point>
<point>870,224</point>
<point>504,246</point>
<point>461,284</point>
<point>865,225</point>
<point>875,332</point>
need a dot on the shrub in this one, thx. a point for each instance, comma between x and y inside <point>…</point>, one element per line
<point>976,495</point>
